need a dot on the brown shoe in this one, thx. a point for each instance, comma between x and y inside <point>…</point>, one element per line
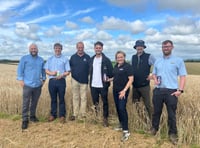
<point>153,131</point>
<point>62,119</point>
<point>72,118</point>
<point>105,122</point>
<point>51,118</point>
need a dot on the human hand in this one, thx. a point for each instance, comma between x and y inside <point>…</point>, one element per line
<point>21,83</point>
<point>176,93</point>
<point>54,73</point>
<point>122,94</point>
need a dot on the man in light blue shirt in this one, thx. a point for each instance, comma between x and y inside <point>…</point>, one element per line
<point>165,74</point>
<point>31,76</point>
<point>57,68</point>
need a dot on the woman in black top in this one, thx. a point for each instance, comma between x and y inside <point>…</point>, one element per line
<point>122,80</point>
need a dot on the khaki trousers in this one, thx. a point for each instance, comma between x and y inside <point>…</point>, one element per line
<point>79,99</point>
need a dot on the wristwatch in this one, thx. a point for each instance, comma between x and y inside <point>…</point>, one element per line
<point>180,90</point>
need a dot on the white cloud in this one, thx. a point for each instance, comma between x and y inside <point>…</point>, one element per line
<point>122,3</point>
<point>33,5</point>
<point>181,30</point>
<point>151,31</point>
<point>102,35</point>
<point>87,19</point>
<point>181,26</point>
<point>5,16</point>
<point>28,31</point>
<point>84,35</point>
<point>53,31</point>
<point>112,23</point>
<point>48,17</point>
<point>88,10</point>
<point>179,5</point>
<point>71,25</point>
<point>11,4</point>
<point>124,38</point>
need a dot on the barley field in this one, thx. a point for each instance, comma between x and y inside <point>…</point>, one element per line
<point>188,111</point>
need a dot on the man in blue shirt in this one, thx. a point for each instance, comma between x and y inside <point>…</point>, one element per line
<point>168,88</point>
<point>31,76</point>
<point>57,68</point>
<point>79,64</point>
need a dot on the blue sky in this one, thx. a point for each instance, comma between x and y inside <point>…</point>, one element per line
<point>117,23</point>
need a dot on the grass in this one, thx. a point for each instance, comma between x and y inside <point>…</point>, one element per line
<point>9,116</point>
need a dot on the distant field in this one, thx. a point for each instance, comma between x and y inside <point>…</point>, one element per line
<point>193,68</point>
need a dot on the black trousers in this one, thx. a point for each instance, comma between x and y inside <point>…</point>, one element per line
<point>96,93</point>
<point>121,109</point>
<point>161,96</point>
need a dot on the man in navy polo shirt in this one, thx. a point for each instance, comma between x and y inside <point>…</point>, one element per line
<point>79,63</point>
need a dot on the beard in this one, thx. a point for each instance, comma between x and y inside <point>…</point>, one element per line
<point>98,53</point>
<point>33,53</point>
<point>166,52</point>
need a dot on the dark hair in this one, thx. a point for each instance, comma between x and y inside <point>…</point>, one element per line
<point>57,44</point>
<point>98,43</point>
<point>167,41</point>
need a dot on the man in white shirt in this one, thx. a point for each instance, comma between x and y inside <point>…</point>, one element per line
<point>100,70</point>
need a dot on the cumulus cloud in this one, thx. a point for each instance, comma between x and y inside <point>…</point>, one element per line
<point>112,23</point>
<point>102,35</point>
<point>87,19</point>
<point>53,31</point>
<point>71,25</point>
<point>179,5</point>
<point>84,35</point>
<point>123,3</point>
<point>181,26</point>
<point>124,38</point>
<point>180,30</point>
<point>151,31</point>
<point>28,31</point>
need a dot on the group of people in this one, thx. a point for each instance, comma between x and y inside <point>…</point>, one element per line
<point>98,72</point>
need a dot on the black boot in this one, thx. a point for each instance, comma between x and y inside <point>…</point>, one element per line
<point>34,119</point>
<point>24,125</point>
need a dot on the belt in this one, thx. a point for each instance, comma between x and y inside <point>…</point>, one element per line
<point>166,89</point>
<point>55,79</point>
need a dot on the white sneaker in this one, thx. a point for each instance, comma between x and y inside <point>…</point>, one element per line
<point>125,136</point>
<point>118,128</point>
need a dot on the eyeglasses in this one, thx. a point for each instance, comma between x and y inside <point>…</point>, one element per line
<point>166,46</point>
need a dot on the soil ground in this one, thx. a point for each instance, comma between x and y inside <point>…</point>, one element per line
<point>72,134</point>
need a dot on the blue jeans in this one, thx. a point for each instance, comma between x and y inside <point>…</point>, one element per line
<point>121,109</point>
<point>161,96</point>
<point>57,89</point>
<point>30,101</point>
